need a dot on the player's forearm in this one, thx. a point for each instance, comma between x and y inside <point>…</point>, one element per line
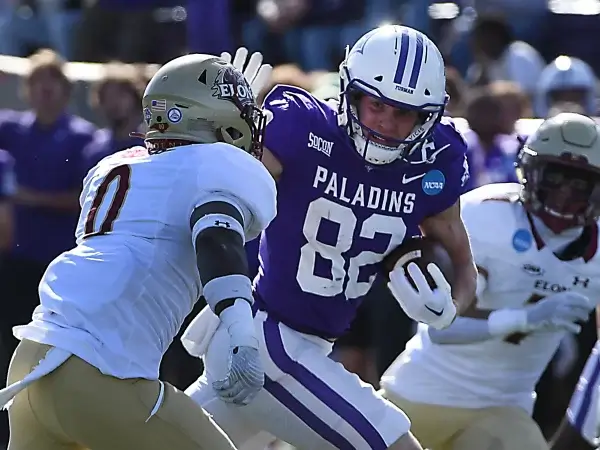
<point>464,287</point>
<point>463,330</point>
<point>467,330</point>
<point>223,267</point>
<point>227,289</point>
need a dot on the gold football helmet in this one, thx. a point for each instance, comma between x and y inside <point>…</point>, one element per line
<point>559,168</point>
<point>201,98</point>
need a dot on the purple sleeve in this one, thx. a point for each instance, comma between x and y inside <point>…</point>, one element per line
<point>453,164</point>
<point>288,111</point>
<point>456,173</point>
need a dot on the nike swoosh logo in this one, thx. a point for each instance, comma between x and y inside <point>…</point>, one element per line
<point>433,311</point>
<point>406,180</point>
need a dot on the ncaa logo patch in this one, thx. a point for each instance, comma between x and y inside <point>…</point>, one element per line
<point>433,182</point>
<point>522,240</point>
<point>174,115</point>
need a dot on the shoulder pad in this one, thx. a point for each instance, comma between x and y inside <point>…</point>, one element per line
<point>234,173</point>
<point>490,208</point>
<point>445,143</point>
<point>292,113</point>
<point>447,129</point>
<point>291,98</point>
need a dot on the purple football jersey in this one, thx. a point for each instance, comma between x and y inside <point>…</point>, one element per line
<point>339,216</point>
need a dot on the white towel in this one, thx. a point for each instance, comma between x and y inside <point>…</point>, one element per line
<point>199,333</point>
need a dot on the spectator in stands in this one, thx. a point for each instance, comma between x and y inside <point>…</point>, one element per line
<point>567,79</point>
<point>514,103</point>
<point>118,97</point>
<point>491,140</point>
<point>47,145</point>
<point>499,57</point>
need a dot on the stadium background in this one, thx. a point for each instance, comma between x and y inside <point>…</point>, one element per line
<point>496,97</point>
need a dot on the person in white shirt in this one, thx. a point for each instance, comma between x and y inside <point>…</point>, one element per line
<point>160,226</point>
<point>499,57</point>
<point>535,243</point>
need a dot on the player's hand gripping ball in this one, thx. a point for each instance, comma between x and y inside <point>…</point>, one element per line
<point>422,251</point>
<point>420,276</point>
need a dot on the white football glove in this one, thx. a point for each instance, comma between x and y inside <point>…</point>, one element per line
<point>245,378</point>
<point>245,375</point>
<point>559,311</point>
<point>434,307</point>
<point>256,73</point>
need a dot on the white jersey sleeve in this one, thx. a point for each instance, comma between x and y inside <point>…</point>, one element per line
<point>230,174</point>
<point>118,299</point>
<point>482,211</point>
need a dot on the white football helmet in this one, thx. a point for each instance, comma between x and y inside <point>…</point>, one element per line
<point>565,73</point>
<point>402,67</point>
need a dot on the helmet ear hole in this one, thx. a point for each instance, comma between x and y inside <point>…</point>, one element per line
<point>234,133</point>
<point>232,136</point>
<point>223,135</point>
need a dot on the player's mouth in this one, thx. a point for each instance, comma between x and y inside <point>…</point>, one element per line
<point>559,215</point>
<point>381,140</point>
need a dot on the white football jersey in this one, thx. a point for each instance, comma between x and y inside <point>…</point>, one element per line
<point>118,299</point>
<point>516,253</point>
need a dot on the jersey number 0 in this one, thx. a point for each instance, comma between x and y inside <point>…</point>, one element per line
<point>120,175</point>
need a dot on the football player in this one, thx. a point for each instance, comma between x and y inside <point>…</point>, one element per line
<point>353,181</point>
<point>471,386</point>
<point>160,226</point>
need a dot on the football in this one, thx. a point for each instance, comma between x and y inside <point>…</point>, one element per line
<point>422,251</point>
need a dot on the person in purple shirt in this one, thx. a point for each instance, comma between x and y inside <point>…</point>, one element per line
<point>116,97</point>
<point>354,180</point>
<point>6,236</point>
<point>46,144</point>
<point>491,141</point>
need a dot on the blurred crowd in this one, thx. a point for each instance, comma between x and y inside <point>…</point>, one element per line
<point>508,63</point>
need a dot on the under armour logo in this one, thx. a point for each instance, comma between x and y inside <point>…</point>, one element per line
<point>580,281</point>
<point>218,223</point>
